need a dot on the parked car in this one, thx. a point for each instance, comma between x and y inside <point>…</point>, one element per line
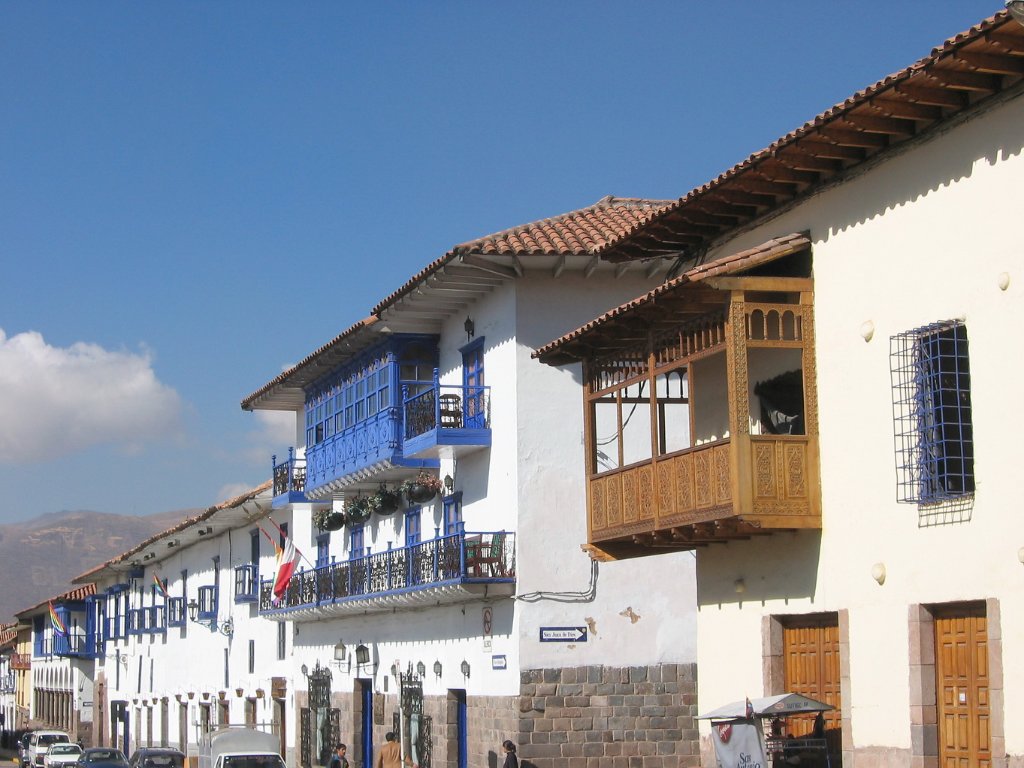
<point>157,757</point>
<point>40,741</point>
<point>102,757</point>
<point>61,755</point>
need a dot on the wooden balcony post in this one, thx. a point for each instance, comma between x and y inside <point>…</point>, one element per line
<point>739,403</point>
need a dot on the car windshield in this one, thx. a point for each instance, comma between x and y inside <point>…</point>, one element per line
<point>165,760</point>
<point>64,749</point>
<point>51,738</point>
<point>253,761</point>
<point>104,755</point>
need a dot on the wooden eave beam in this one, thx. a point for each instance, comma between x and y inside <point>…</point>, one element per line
<point>588,270</point>
<point>743,197</point>
<point>725,209</point>
<point>773,169</point>
<point>485,265</point>
<point>759,283</point>
<point>775,189</point>
<point>964,81</point>
<point>908,109</point>
<point>892,126</point>
<point>923,93</point>
<point>831,151</point>
<point>1002,36</point>
<point>795,157</point>
<point>848,138</point>
<point>992,63</point>
<point>559,266</point>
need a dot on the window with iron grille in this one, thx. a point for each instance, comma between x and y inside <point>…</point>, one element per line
<point>931,384</point>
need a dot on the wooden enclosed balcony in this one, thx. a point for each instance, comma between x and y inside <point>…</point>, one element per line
<point>700,407</point>
<point>723,406</point>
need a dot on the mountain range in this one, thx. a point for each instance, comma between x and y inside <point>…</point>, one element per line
<point>40,557</point>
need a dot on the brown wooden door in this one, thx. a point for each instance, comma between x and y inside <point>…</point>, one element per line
<point>811,656</point>
<point>961,679</point>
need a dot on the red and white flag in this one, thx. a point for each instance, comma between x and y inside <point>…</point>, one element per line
<point>287,560</point>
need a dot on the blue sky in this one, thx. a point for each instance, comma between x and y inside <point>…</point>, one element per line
<point>196,195</point>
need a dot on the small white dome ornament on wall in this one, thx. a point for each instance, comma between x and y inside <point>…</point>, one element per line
<point>867,330</point>
<point>878,573</point>
<point>1003,281</point>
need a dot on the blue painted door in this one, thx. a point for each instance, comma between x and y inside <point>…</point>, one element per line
<point>474,415</point>
<point>412,540</point>
<point>366,695</point>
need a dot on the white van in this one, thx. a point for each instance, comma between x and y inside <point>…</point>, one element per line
<point>40,741</point>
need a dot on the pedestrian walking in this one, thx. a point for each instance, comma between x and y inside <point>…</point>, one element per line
<point>511,760</point>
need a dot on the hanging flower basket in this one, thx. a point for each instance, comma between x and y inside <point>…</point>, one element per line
<point>385,501</point>
<point>357,511</point>
<point>421,488</point>
<point>329,519</point>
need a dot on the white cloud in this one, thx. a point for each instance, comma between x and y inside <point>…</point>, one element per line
<point>56,401</point>
<point>274,433</point>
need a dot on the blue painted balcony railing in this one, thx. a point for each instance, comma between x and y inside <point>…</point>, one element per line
<point>444,416</point>
<point>78,644</point>
<point>289,480</point>
<point>457,559</point>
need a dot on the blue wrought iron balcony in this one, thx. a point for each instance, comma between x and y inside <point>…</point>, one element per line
<point>443,419</point>
<point>289,480</point>
<point>447,569</point>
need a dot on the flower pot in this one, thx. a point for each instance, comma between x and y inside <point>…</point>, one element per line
<point>387,503</point>
<point>420,494</point>
<point>334,521</point>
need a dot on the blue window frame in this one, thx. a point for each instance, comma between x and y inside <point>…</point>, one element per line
<point>176,612</point>
<point>452,506</point>
<point>474,407</point>
<point>323,547</point>
<point>355,542</point>
<point>931,382</point>
<point>354,397</point>
<point>207,603</point>
<point>412,527</point>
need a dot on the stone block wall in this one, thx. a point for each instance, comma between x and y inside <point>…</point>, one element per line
<point>609,717</point>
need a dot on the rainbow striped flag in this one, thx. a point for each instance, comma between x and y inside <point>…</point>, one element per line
<point>58,625</point>
<point>161,586</point>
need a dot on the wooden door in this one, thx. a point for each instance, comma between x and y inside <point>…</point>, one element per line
<point>811,660</point>
<point>961,682</point>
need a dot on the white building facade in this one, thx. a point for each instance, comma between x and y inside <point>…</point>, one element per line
<point>885,583</point>
<point>473,615</point>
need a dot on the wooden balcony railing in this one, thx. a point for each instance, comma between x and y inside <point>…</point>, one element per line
<point>698,495</point>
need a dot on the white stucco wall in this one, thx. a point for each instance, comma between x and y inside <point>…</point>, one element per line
<point>920,238</point>
<point>630,623</point>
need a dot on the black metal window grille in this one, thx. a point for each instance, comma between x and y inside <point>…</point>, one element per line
<point>931,387</point>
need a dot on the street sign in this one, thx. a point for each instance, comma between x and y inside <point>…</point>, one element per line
<point>563,634</point>
<point>498,661</point>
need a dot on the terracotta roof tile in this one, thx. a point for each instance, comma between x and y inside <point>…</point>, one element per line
<point>582,232</point>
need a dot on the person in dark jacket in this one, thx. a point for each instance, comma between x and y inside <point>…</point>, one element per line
<point>338,759</point>
<point>511,761</point>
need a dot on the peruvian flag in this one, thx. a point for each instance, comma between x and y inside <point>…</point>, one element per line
<point>287,559</point>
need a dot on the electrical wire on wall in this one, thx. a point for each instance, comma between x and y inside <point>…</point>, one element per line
<point>585,596</point>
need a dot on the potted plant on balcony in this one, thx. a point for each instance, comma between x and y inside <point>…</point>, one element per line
<point>328,519</point>
<point>357,511</point>
<point>421,488</point>
<point>384,501</point>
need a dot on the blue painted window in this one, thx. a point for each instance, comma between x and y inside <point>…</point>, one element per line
<point>412,527</point>
<point>207,603</point>
<point>38,637</point>
<point>356,396</point>
<point>474,416</point>
<point>176,612</point>
<point>355,542</point>
<point>323,546</point>
<point>931,382</point>
<point>452,513</point>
